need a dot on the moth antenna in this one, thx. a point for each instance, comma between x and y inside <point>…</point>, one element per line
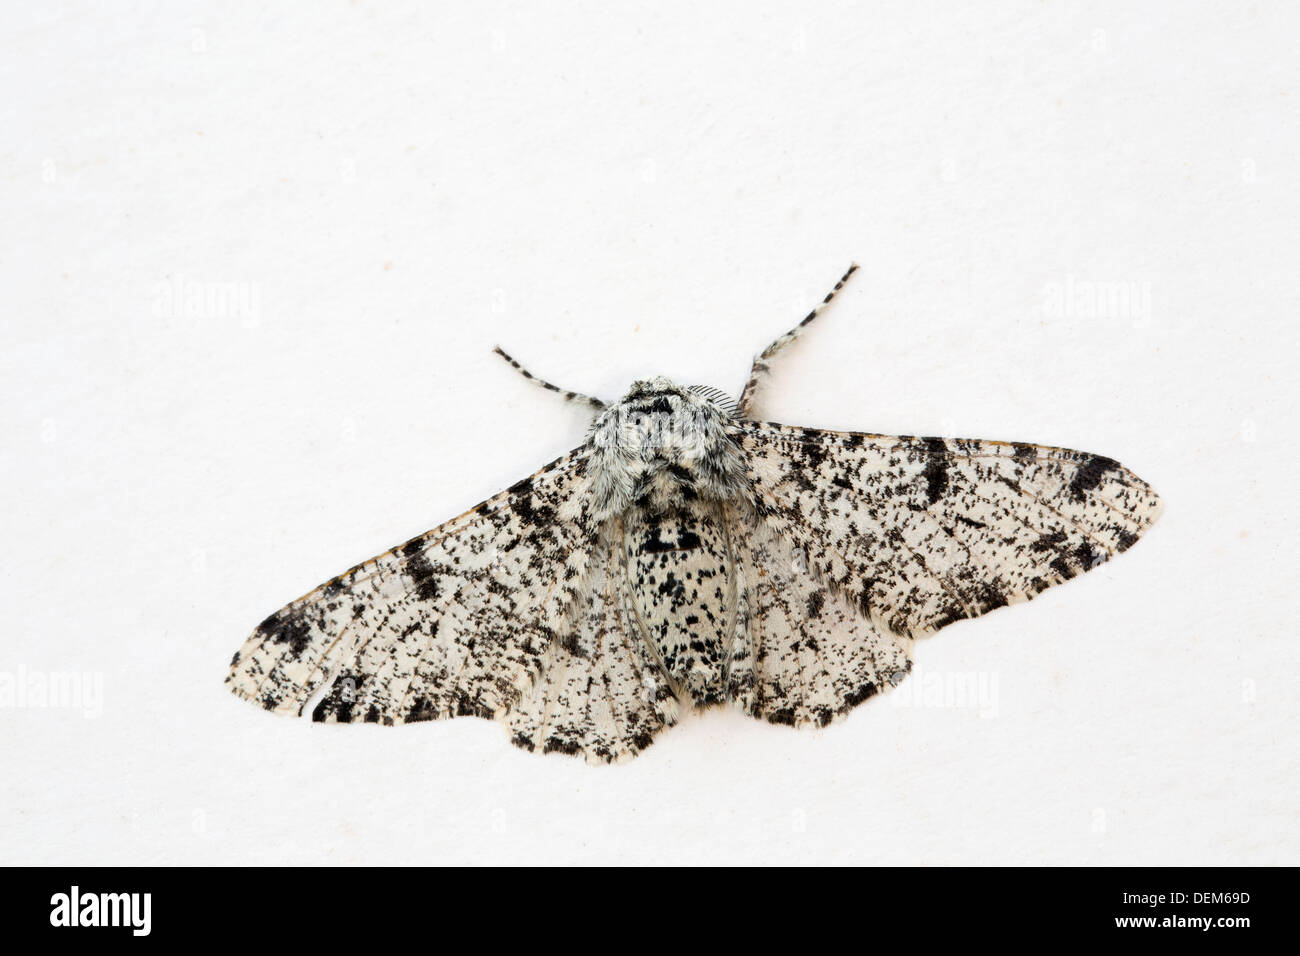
<point>760,367</point>
<point>567,395</point>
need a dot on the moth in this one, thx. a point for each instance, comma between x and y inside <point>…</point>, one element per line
<point>686,556</point>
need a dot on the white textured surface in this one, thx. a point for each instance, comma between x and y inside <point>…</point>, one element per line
<point>611,195</point>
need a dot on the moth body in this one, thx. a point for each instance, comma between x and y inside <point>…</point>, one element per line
<point>667,470</point>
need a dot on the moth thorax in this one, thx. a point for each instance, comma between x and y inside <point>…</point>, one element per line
<point>664,487</point>
<point>661,447</point>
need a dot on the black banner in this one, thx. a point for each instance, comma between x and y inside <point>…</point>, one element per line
<point>332,906</point>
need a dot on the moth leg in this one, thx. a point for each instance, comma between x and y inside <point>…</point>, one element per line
<point>760,366</point>
<point>568,396</point>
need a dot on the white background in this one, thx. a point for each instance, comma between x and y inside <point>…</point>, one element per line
<point>613,193</point>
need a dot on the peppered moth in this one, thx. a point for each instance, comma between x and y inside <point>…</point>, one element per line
<point>687,556</point>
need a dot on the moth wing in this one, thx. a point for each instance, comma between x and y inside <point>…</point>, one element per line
<point>455,621</point>
<point>920,532</point>
<point>601,693</point>
<point>803,654</point>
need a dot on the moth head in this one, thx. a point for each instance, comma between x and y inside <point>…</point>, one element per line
<point>675,410</point>
<point>662,393</point>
